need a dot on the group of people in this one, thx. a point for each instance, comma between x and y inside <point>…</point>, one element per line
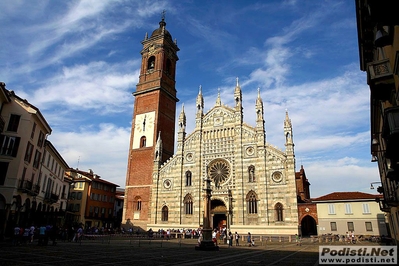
<point>45,233</point>
<point>230,237</point>
<point>25,235</point>
<point>350,237</point>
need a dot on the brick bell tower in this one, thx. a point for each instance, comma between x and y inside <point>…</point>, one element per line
<point>153,116</point>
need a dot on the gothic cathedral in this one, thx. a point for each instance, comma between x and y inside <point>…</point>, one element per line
<point>253,183</point>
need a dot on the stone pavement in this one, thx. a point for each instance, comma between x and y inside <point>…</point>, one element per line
<point>101,251</point>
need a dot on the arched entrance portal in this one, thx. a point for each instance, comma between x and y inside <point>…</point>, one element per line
<point>219,214</point>
<point>308,226</point>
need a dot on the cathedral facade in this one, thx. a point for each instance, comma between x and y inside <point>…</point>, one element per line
<point>253,183</point>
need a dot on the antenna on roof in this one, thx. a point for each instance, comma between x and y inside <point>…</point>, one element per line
<point>78,163</point>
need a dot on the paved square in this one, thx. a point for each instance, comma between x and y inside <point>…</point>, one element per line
<point>120,251</point>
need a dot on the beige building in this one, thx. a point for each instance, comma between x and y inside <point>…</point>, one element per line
<point>31,169</point>
<point>341,212</point>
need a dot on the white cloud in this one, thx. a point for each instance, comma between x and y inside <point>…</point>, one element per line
<point>99,86</point>
<point>345,174</point>
<point>102,148</point>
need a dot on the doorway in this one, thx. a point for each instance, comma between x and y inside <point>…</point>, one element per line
<point>308,226</point>
<point>218,212</point>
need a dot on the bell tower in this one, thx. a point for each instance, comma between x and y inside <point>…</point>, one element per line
<point>153,118</point>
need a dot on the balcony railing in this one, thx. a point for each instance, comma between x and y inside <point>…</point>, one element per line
<point>380,79</point>
<point>51,198</point>
<point>26,186</point>
<point>35,190</point>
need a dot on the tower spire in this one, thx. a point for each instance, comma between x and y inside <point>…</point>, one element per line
<point>182,119</point>
<point>260,122</point>
<point>218,101</point>
<point>238,96</point>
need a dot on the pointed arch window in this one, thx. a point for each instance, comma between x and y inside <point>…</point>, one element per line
<point>138,205</point>
<point>188,178</point>
<point>278,209</point>
<point>151,63</point>
<point>143,142</point>
<point>251,173</point>
<point>188,204</point>
<point>252,202</point>
<point>165,213</point>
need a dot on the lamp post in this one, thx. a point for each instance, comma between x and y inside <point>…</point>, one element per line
<point>380,189</point>
<point>206,242</point>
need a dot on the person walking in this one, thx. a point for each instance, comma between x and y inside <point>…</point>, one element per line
<point>32,233</point>
<point>42,235</point>
<point>214,237</point>
<point>237,237</point>
<point>249,239</point>
<point>230,239</point>
<point>16,236</point>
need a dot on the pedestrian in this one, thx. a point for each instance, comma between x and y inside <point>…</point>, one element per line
<point>32,233</point>
<point>249,239</point>
<point>297,240</point>
<point>42,235</point>
<point>214,237</point>
<point>53,234</point>
<point>353,238</point>
<point>25,235</point>
<point>237,237</point>
<point>16,235</point>
<point>230,239</point>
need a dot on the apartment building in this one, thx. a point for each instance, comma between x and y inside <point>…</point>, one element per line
<point>378,39</point>
<point>25,197</point>
<point>91,200</point>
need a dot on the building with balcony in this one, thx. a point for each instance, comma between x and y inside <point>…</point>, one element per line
<point>25,197</point>
<point>55,188</point>
<point>91,200</point>
<point>378,39</point>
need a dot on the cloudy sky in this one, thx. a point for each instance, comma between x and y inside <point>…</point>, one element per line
<point>78,61</point>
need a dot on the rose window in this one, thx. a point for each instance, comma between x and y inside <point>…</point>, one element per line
<point>219,171</point>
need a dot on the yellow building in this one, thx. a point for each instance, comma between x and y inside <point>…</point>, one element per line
<point>341,212</point>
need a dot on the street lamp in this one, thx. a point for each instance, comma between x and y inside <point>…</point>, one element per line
<point>371,184</point>
<point>206,242</point>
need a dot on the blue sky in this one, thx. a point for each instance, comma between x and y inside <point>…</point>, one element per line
<point>78,62</point>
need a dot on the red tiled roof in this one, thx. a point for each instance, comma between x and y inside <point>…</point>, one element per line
<point>347,196</point>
